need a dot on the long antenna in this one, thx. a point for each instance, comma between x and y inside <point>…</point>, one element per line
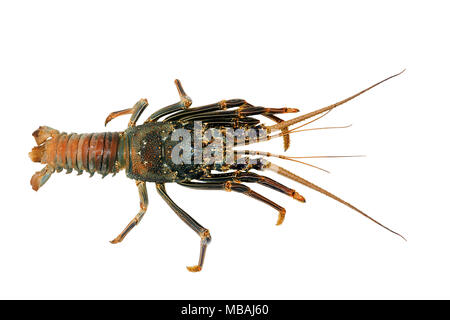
<point>295,120</point>
<point>292,176</point>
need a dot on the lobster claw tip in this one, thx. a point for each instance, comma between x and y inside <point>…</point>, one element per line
<point>299,197</point>
<point>281,217</point>
<point>196,268</point>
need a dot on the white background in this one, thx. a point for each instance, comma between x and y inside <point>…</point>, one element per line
<point>68,65</point>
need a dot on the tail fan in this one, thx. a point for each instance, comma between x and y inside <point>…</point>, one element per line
<point>39,154</point>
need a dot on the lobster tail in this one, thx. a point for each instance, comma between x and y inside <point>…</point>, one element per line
<point>93,152</point>
<point>37,153</point>
<point>43,133</point>
<point>40,177</point>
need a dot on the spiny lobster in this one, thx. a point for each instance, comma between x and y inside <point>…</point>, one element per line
<point>147,153</point>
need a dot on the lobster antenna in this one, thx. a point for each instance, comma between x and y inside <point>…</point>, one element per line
<point>295,130</point>
<point>287,123</point>
<point>305,124</point>
<point>290,158</point>
<point>285,133</point>
<point>322,128</point>
<point>292,176</point>
<point>317,157</point>
<point>268,154</point>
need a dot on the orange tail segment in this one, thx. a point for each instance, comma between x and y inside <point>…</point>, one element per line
<point>93,152</point>
<point>37,153</point>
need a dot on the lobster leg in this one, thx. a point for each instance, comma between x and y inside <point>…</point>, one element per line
<point>135,112</point>
<point>222,105</point>
<point>237,187</point>
<point>242,112</point>
<point>143,203</point>
<point>248,122</point>
<point>185,102</point>
<point>252,177</point>
<point>194,225</point>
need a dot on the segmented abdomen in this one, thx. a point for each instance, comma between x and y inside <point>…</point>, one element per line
<point>92,152</point>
